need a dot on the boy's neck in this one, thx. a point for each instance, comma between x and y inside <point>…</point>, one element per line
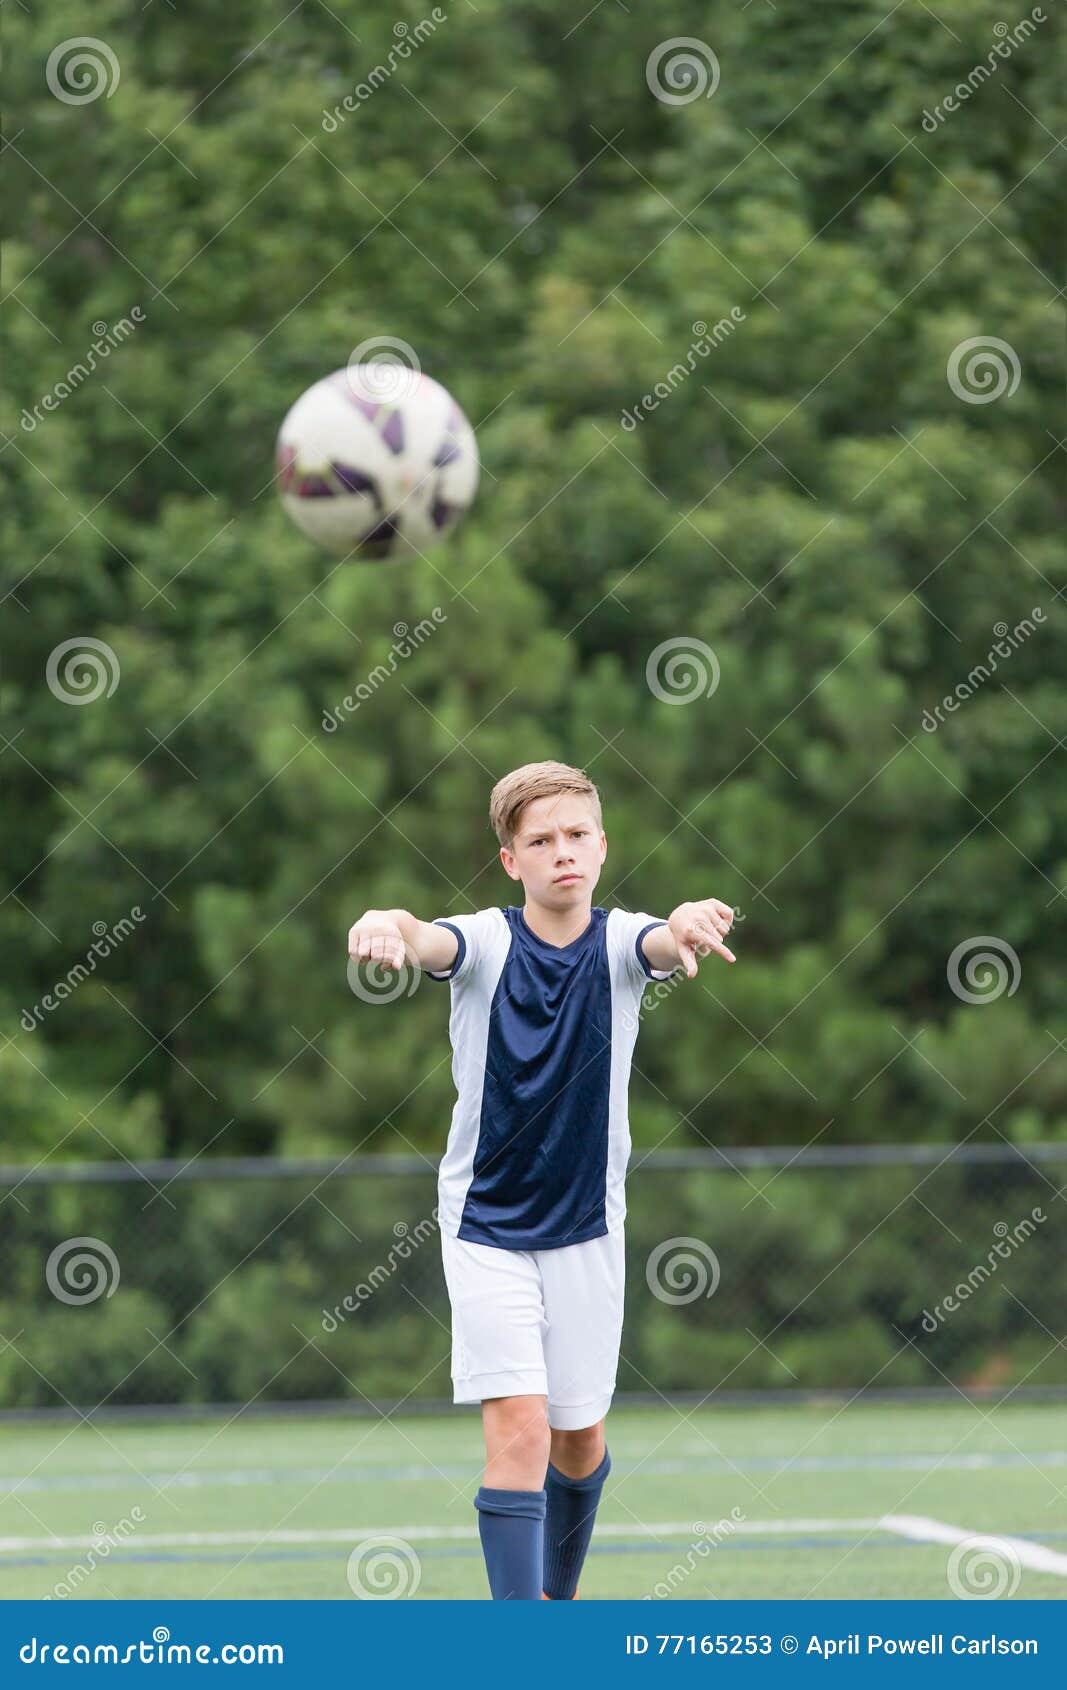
<point>557,927</point>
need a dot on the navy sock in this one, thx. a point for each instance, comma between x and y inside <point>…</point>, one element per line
<point>569,1519</point>
<point>511,1524</point>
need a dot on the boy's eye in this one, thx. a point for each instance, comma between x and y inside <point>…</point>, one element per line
<point>575,833</point>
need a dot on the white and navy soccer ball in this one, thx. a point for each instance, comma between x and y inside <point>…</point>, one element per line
<point>379,462</point>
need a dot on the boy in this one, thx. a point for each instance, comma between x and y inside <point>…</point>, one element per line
<point>545,1001</point>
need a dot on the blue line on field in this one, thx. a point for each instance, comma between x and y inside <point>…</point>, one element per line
<point>194,1480</point>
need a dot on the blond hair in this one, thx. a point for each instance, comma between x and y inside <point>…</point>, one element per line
<point>513,792</point>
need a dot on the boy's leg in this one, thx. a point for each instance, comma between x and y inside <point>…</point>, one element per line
<point>583,1289</point>
<point>577,1469</point>
<point>511,1502</point>
<point>498,1326</point>
<point>577,1453</point>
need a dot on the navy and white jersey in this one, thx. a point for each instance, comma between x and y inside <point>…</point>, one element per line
<point>542,1039</point>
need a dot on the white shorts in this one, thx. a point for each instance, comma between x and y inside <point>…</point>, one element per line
<point>537,1323</point>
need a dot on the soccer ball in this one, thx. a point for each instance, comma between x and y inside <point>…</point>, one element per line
<point>376,459</point>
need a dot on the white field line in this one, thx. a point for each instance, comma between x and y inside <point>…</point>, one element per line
<point>922,1530</point>
<point>357,1534</point>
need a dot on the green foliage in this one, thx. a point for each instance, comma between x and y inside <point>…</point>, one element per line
<point>271,1289</point>
<point>814,502</point>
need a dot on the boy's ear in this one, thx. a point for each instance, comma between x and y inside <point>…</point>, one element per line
<point>510,867</point>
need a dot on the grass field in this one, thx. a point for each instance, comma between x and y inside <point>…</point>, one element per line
<point>816,1502</point>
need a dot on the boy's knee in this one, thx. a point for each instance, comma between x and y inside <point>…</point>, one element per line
<point>576,1453</point>
<point>517,1426</point>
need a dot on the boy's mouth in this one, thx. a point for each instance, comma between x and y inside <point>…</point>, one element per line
<point>566,879</point>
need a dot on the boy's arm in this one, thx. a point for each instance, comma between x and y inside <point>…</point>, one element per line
<point>393,937</point>
<point>691,931</point>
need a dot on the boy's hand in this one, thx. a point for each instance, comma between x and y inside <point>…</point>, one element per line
<point>376,937</point>
<point>699,928</point>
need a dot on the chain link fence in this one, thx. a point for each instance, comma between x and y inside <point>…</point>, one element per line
<point>260,1282</point>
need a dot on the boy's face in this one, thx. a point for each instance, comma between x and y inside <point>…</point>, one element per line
<point>557,851</point>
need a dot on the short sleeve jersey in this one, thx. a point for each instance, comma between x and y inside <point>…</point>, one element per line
<point>542,1041</point>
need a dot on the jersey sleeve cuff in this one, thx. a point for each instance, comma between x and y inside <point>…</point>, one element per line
<point>649,972</point>
<point>448,973</point>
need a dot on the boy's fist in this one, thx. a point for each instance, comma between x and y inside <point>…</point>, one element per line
<point>699,928</point>
<point>376,937</point>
